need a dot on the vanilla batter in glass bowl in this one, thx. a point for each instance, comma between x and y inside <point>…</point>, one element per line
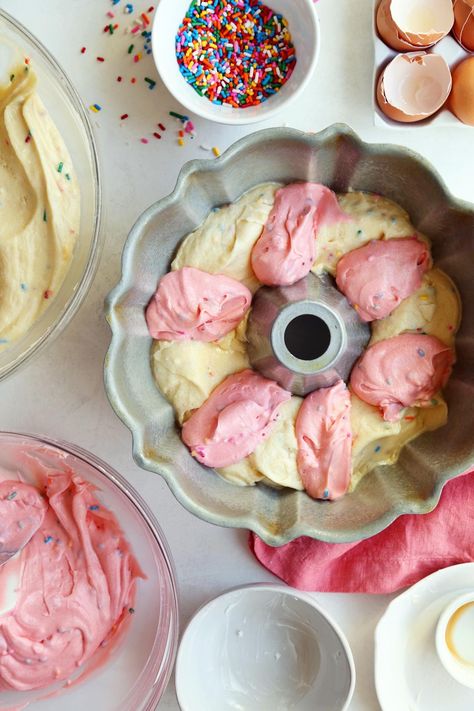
<point>50,198</point>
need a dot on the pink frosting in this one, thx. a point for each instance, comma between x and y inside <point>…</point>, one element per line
<point>77,587</point>
<point>324,435</point>
<point>190,304</point>
<point>22,510</point>
<point>401,372</point>
<point>286,249</point>
<point>376,277</point>
<point>238,415</point>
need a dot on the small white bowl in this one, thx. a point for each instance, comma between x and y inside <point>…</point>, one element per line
<point>455,639</point>
<point>304,27</point>
<point>264,648</point>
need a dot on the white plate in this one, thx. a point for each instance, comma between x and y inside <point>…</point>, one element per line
<point>408,673</point>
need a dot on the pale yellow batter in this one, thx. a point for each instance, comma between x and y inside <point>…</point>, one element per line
<point>374,217</point>
<point>39,205</point>
<point>224,241</point>
<point>188,371</point>
<point>433,309</point>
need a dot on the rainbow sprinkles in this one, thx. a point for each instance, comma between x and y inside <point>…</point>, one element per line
<point>235,52</point>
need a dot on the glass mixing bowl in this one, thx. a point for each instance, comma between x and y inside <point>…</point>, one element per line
<point>68,113</point>
<point>135,673</point>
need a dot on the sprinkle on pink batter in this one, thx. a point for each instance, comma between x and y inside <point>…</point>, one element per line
<point>286,249</point>
<point>403,371</point>
<point>237,416</point>
<point>77,586</point>
<point>376,277</point>
<point>324,435</point>
<point>22,510</point>
<point>190,304</point>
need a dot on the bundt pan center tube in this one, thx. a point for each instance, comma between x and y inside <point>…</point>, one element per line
<point>305,336</point>
<point>337,158</point>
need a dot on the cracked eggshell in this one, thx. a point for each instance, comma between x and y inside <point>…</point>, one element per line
<point>406,25</point>
<point>463,28</point>
<point>414,86</point>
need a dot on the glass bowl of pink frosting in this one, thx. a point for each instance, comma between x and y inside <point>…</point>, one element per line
<point>88,609</point>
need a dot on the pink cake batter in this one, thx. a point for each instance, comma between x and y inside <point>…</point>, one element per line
<point>377,277</point>
<point>324,435</point>
<point>286,249</point>
<point>190,304</point>
<point>77,579</point>
<point>401,372</point>
<point>22,511</point>
<point>236,417</point>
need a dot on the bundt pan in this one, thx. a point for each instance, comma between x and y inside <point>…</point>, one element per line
<point>337,158</point>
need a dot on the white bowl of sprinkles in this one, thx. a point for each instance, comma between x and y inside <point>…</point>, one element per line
<point>197,85</point>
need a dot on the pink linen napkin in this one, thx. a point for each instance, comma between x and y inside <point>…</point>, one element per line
<point>412,547</point>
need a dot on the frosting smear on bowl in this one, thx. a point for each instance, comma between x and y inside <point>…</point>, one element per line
<point>77,582</point>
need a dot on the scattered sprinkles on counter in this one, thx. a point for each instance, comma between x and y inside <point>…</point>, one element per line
<point>137,44</point>
<point>236,52</point>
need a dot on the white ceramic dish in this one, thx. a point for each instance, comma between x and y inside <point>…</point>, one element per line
<point>264,648</point>
<point>455,639</point>
<point>304,27</point>
<point>408,673</point>
<point>448,48</point>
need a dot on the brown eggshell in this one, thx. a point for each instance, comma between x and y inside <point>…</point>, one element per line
<point>400,39</point>
<point>461,100</point>
<point>463,28</point>
<point>399,91</point>
<point>391,111</point>
<point>388,30</point>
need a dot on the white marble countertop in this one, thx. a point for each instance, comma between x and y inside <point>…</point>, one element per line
<point>61,392</point>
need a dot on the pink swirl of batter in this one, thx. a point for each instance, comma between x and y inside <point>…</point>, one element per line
<point>77,586</point>
<point>22,510</point>
<point>377,276</point>
<point>324,435</point>
<point>286,249</point>
<point>190,304</point>
<point>403,371</point>
<point>237,416</point>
